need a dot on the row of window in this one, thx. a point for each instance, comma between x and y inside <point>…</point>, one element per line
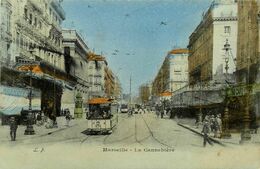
<point>32,20</point>
<point>53,15</point>
<point>24,43</point>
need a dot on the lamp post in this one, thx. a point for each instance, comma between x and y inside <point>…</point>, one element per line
<point>29,128</point>
<point>225,128</point>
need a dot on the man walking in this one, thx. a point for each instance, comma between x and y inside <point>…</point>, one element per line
<point>13,128</point>
<point>205,132</point>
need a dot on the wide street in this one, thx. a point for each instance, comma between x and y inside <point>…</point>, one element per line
<point>139,141</point>
<point>145,130</point>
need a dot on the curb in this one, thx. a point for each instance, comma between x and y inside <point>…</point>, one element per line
<point>195,131</point>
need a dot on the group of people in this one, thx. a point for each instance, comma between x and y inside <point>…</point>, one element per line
<point>40,120</point>
<point>211,124</point>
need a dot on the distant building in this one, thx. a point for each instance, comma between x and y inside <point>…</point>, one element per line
<point>161,81</point>
<point>109,83</point>
<point>178,68</point>
<point>206,54</point>
<point>96,75</point>
<point>173,73</point>
<point>145,93</point>
<point>118,89</point>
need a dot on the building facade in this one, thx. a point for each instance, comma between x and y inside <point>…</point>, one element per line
<point>118,89</point>
<point>161,81</point>
<point>96,75</point>
<point>178,59</point>
<point>145,93</point>
<point>36,46</point>
<point>76,64</point>
<point>173,73</point>
<point>5,31</point>
<point>248,56</point>
<point>206,43</point>
<point>248,51</point>
<point>110,81</point>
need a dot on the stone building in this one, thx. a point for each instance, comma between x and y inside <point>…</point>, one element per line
<point>160,83</point>
<point>178,68</point>
<point>248,51</point>
<point>248,57</point>
<point>118,89</point>
<point>173,73</point>
<point>96,75</point>
<point>206,54</point>
<point>76,64</point>
<point>5,31</point>
<point>145,93</point>
<point>36,46</point>
<point>109,83</point>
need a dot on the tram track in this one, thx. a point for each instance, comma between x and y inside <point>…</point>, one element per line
<point>119,140</point>
<point>152,134</point>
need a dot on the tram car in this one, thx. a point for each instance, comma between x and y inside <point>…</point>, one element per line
<point>102,115</point>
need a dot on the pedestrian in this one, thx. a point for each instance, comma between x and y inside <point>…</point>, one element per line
<point>219,125</point>
<point>39,119</point>
<point>162,112</point>
<point>13,128</point>
<point>205,132</point>
<point>68,117</point>
<point>212,123</point>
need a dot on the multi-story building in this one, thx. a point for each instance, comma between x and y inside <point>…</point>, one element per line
<point>109,83</point>
<point>76,64</point>
<point>161,81</point>
<point>206,55</point>
<point>5,31</point>
<point>118,89</point>
<point>178,59</point>
<point>248,56</point>
<point>96,75</point>
<point>145,93</point>
<point>36,45</point>
<point>173,73</point>
<point>248,51</point>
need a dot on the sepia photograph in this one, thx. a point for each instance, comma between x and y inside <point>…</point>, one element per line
<point>129,84</point>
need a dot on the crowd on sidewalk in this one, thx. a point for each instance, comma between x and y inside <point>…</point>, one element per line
<point>41,122</point>
<point>212,125</point>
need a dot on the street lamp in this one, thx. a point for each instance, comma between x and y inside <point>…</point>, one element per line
<point>29,128</point>
<point>225,131</point>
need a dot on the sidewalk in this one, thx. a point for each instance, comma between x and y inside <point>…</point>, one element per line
<point>235,137</point>
<point>39,130</point>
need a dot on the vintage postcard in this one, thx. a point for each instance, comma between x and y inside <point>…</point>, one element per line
<point>129,84</point>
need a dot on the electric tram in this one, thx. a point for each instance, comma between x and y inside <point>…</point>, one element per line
<point>102,115</point>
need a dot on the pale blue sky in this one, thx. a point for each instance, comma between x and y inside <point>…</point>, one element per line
<point>134,28</point>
